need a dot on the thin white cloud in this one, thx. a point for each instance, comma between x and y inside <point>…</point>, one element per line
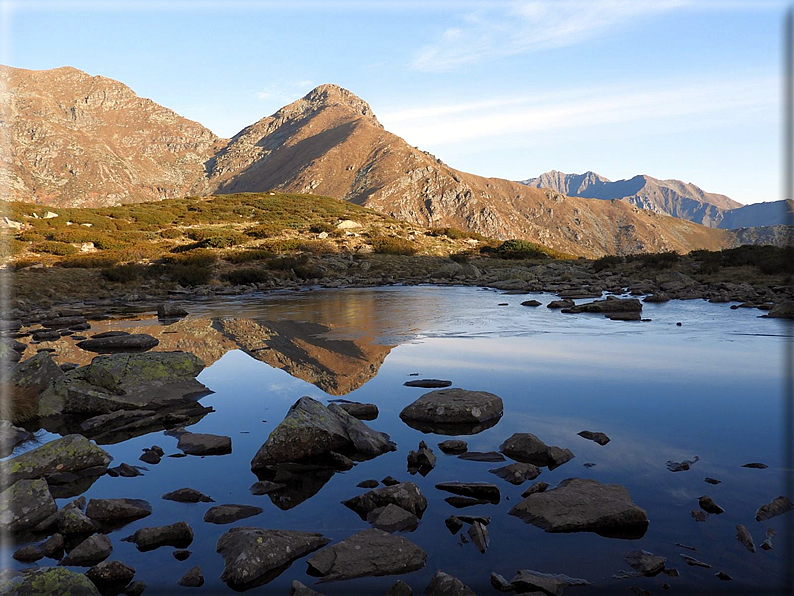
<point>505,29</point>
<point>645,101</point>
<point>284,91</point>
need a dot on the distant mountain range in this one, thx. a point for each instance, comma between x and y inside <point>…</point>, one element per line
<point>669,197</point>
<point>81,140</point>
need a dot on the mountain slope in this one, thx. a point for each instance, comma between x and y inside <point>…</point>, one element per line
<point>330,143</point>
<point>70,139</point>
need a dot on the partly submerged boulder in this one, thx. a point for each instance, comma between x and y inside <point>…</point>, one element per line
<point>443,584</point>
<point>527,448</point>
<point>310,429</point>
<point>535,582</point>
<point>453,411</point>
<point>71,453</point>
<point>404,494</point>
<point>584,505</point>
<point>119,343</point>
<point>367,553</point>
<point>254,556</point>
<point>25,504</point>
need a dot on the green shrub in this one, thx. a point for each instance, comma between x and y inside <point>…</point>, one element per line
<point>520,249</point>
<point>460,257</point>
<point>125,273</point>
<point>225,240</point>
<point>286,245</point>
<point>54,248</point>
<point>662,260</point>
<point>455,233</point>
<point>89,261</point>
<point>392,245</point>
<point>247,275</point>
<point>321,227</point>
<point>287,263</point>
<point>188,275</point>
<point>246,256</point>
<point>30,236</point>
<point>108,242</point>
<point>73,234</point>
<point>265,230</point>
<point>171,233</point>
<point>606,262</point>
<point>196,258</point>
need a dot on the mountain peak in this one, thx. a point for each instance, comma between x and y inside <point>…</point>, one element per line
<point>330,94</point>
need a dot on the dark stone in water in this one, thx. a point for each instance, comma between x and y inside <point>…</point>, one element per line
<point>475,490</point>
<point>179,535</point>
<point>428,383</point>
<point>406,495</point>
<point>453,523</point>
<point>181,554</point>
<point>756,465</point>
<point>708,505</point>
<point>110,572</point>
<point>699,516</point>
<point>537,487</point>
<point>193,578</point>
<point>694,562</point>
<point>368,484</point>
<point>139,342</point>
<point>527,448</point>
<point>712,480</point>
<point>226,514</point>
<point>453,446</point>
<point>264,487</point>
<point>453,411</point>
<point>776,507</point>
<point>743,536</point>
<point>598,437</point>
<point>461,502</point>
<point>517,473</point>
<point>487,456</point>
<point>187,495</point>
<point>422,460</point>
<point>681,466</point>
<point>443,584</point>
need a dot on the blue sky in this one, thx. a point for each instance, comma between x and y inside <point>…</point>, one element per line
<point>669,88</point>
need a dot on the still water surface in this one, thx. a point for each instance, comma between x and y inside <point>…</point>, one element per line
<point>711,387</point>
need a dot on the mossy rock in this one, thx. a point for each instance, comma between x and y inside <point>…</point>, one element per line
<point>46,581</point>
<point>68,454</point>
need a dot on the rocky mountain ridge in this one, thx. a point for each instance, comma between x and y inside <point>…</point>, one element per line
<point>77,140</point>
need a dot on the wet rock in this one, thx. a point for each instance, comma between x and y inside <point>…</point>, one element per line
<point>301,482</point>
<point>645,563</point>
<point>598,437</point>
<point>699,516</point>
<point>64,322</point>
<point>460,502</point>
<point>500,584</point>
<point>692,548</point>
<point>453,446</point>
<point>28,554</point>
<point>226,514</point>
<point>486,456</point>
<point>359,410</point>
<point>566,303</point>
<point>517,473</point>
<point>37,372</point>
<point>119,418</point>
<point>443,584</point>
<point>694,562</point>
<point>527,580</point>
<point>204,444</point>
<point>392,519</point>
<point>405,495</point>
<point>453,523</point>
<point>640,591</point>
<point>428,383</point>
<point>681,466</point>
<point>712,480</point>
<point>25,504</point>
<point>89,552</point>
<point>367,553</point>
<point>39,581</point>
<point>584,505</point>
<point>150,457</point>
<point>390,481</point>
<point>657,297</point>
<point>399,588</point>
<point>624,316</point>
<point>128,343</point>
<point>479,536</point>
<point>254,556</point>
<point>181,554</point>
<point>264,487</point>
<point>756,466</point>
<point>723,576</point>
<point>368,484</point>
<point>310,429</point>
<point>475,490</point>
<point>109,510</point>
<point>298,589</point>
<point>783,310</point>
<point>743,536</point>
<point>537,487</point>
<point>453,411</point>
<point>422,460</point>
<point>110,572</point>
<point>527,448</point>
<point>72,520</point>
<point>767,543</point>
<point>178,535</point>
<point>187,495</point>
<point>45,335</point>
<point>708,505</point>
<point>193,578</point>
<point>610,305</point>
<point>125,471</point>
<point>776,507</point>
<point>169,310</point>
<point>530,303</point>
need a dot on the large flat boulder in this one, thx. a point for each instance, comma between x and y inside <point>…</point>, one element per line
<point>71,453</point>
<point>367,553</point>
<point>584,505</point>
<point>453,411</point>
<point>311,429</point>
<point>255,556</point>
<point>125,382</point>
<point>527,448</point>
<point>25,504</point>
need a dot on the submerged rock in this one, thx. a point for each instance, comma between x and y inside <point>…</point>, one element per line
<point>584,505</point>
<point>399,588</point>
<point>428,383</point>
<point>187,495</point>
<point>598,437</point>
<point>405,495</point>
<point>299,589</point>
<point>537,487</point>
<point>264,487</point>
<point>25,504</point>
<point>453,411</point>
<point>453,446</point>
<point>776,507</point>
<point>756,465</point>
<point>475,490</point>
<point>443,584</point>
<point>110,572</point>
<point>527,580</point>
<point>486,456</point>
<point>645,563</point>
<point>708,505</point>
<point>226,514</point>
<point>743,536</point>
<point>89,552</point>
<point>767,543</point>
<point>692,562</point>
<point>254,556</point>
<point>517,473</point>
<point>367,553</point>
<point>527,448</point>
<point>699,516</point>
<point>41,581</point>
<point>681,466</point>
<point>479,536</point>
<point>193,578</point>
<point>118,509</point>
<point>392,519</point>
<point>204,444</point>
<point>179,535</point>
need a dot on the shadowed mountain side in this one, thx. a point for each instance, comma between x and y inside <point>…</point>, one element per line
<point>299,348</point>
